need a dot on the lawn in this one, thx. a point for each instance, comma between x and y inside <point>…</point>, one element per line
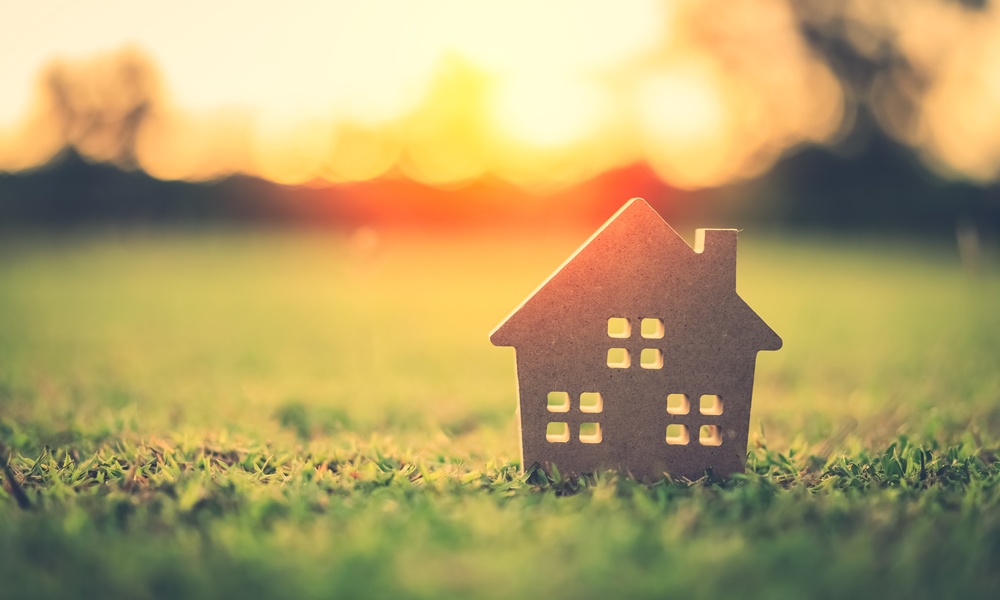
<point>226,414</point>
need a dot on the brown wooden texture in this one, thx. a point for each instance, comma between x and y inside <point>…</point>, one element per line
<point>689,333</point>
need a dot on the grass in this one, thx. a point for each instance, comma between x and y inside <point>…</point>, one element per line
<point>226,414</point>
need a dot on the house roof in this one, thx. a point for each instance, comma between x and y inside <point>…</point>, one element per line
<point>636,263</point>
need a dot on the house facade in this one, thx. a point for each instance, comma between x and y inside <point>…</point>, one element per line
<point>637,354</point>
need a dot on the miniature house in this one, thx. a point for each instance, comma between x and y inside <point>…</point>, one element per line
<point>637,354</point>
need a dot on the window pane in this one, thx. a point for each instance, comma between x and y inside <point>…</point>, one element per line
<point>710,435</point>
<point>651,329</point>
<point>677,434</point>
<point>557,432</point>
<point>678,404</point>
<point>618,358</point>
<point>558,402</point>
<point>590,433</point>
<point>651,358</point>
<point>619,327</point>
<point>591,402</point>
<point>710,404</point>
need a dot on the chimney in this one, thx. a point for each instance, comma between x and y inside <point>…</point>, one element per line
<point>717,248</point>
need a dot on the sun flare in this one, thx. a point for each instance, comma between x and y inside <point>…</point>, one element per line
<point>447,92</point>
<point>548,111</point>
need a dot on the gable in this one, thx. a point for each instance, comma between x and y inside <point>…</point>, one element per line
<point>635,263</point>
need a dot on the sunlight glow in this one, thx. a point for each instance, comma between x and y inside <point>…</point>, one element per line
<point>198,146</point>
<point>546,111</point>
<point>681,107</point>
<point>948,111</point>
<point>361,153</point>
<point>290,152</point>
<point>683,119</point>
<point>444,92</point>
<point>959,123</point>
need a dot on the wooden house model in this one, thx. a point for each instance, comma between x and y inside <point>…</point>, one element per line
<point>637,354</point>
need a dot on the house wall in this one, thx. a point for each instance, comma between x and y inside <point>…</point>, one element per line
<point>634,416</point>
<point>637,267</point>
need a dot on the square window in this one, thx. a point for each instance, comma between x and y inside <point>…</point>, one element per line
<point>710,435</point>
<point>558,402</point>
<point>591,402</point>
<point>619,327</point>
<point>678,404</point>
<point>557,432</point>
<point>618,358</point>
<point>651,358</point>
<point>590,433</point>
<point>651,329</point>
<point>710,404</point>
<point>677,434</point>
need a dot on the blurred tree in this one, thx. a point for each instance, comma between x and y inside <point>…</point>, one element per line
<point>100,104</point>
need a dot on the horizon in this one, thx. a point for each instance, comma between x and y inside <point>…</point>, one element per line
<point>447,95</point>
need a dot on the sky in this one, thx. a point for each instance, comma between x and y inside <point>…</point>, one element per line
<point>445,92</point>
<point>306,58</point>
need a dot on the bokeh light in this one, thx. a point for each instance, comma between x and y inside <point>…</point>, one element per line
<point>445,93</point>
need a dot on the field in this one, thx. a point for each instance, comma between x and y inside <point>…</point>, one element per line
<point>226,414</point>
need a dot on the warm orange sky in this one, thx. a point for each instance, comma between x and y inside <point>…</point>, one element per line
<point>445,91</point>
